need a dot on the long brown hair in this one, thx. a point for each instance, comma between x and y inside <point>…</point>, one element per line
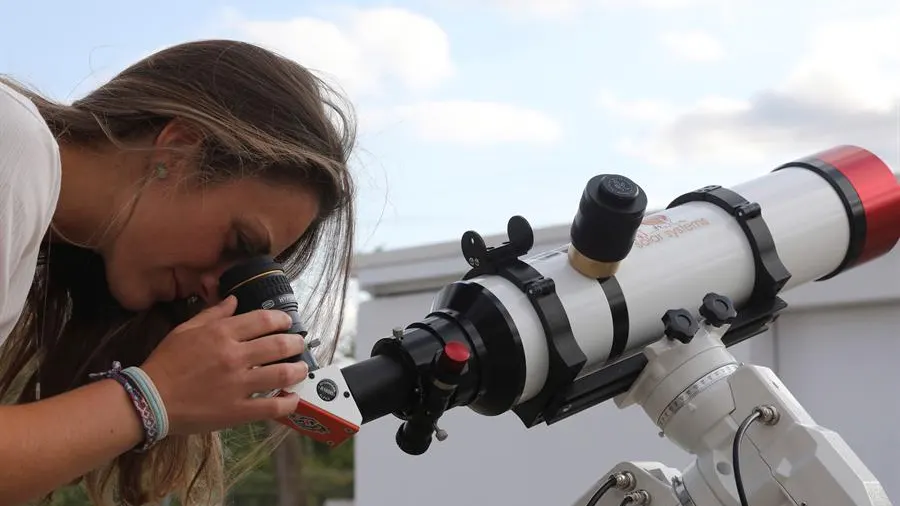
<point>258,112</point>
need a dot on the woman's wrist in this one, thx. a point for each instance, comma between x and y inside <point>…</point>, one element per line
<point>146,403</point>
<point>147,389</point>
<point>129,433</point>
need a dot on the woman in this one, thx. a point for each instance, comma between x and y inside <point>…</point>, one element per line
<point>118,213</point>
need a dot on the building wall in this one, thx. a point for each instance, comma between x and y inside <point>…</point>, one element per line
<point>836,347</point>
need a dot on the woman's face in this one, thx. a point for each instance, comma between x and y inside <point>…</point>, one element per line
<point>178,242</point>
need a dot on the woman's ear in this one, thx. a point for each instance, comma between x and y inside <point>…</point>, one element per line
<point>177,144</point>
<point>178,133</point>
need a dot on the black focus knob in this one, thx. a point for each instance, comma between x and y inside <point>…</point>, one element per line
<point>680,325</point>
<point>609,214</point>
<point>414,438</point>
<point>717,309</point>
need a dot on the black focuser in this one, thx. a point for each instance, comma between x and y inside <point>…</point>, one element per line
<point>609,214</point>
<point>260,283</point>
<point>680,325</point>
<point>414,436</point>
<point>717,309</point>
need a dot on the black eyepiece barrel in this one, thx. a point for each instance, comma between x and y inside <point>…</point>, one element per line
<point>609,214</point>
<point>260,283</point>
<point>606,224</point>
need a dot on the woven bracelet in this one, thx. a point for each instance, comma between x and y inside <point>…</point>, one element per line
<point>143,398</point>
<point>151,394</point>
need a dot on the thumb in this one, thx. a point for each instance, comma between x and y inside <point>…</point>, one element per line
<point>223,309</point>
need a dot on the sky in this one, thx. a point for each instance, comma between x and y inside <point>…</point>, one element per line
<point>471,111</point>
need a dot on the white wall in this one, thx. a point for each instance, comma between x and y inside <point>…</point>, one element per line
<point>837,348</point>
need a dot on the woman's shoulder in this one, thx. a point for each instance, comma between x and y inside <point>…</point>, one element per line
<point>24,135</point>
<point>17,107</point>
<point>30,178</point>
<point>29,154</point>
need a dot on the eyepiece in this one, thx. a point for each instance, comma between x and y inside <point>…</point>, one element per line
<point>245,271</point>
<point>604,229</point>
<point>617,189</point>
<point>260,283</point>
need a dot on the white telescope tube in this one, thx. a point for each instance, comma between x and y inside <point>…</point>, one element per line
<point>826,213</point>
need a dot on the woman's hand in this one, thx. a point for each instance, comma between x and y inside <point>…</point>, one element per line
<point>204,371</point>
<point>207,368</point>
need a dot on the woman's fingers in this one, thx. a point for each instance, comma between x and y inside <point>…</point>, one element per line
<point>275,376</point>
<point>253,324</point>
<point>272,348</point>
<point>269,408</point>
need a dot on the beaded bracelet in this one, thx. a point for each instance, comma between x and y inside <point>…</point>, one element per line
<point>146,400</point>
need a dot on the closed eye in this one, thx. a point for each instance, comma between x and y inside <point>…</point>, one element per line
<point>242,247</point>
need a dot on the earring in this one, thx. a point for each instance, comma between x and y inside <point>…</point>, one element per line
<point>160,170</point>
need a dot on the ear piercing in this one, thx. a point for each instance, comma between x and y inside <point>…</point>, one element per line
<point>160,170</point>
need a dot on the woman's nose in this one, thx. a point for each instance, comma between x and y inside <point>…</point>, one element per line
<point>209,289</point>
<point>209,284</point>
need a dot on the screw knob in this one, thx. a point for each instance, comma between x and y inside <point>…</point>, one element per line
<point>680,325</point>
<point>717,309</point>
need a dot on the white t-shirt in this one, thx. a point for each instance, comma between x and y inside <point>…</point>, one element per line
<point>30,177</point>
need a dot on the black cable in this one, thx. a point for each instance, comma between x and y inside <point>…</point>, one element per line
<point>610,483</point>
<point>735,454</point>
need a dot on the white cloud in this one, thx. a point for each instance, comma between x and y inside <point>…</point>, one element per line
<point>470,123</point>
<point>364,51</point>
<point>566,8</point>
<point>401,57</point>
<point>845,89</point>
<point>693,46</point>
<point>542,8</point>
<point>853,65</point>
<point>640,110</point>
<point>666,4</point>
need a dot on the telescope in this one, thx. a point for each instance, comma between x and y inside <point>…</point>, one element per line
<point>639,308</point>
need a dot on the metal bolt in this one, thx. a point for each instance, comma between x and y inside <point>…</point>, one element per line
<point>768,415</point>
<point>625,481</point>
<point>639,497</point>
<point>439,433</point>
